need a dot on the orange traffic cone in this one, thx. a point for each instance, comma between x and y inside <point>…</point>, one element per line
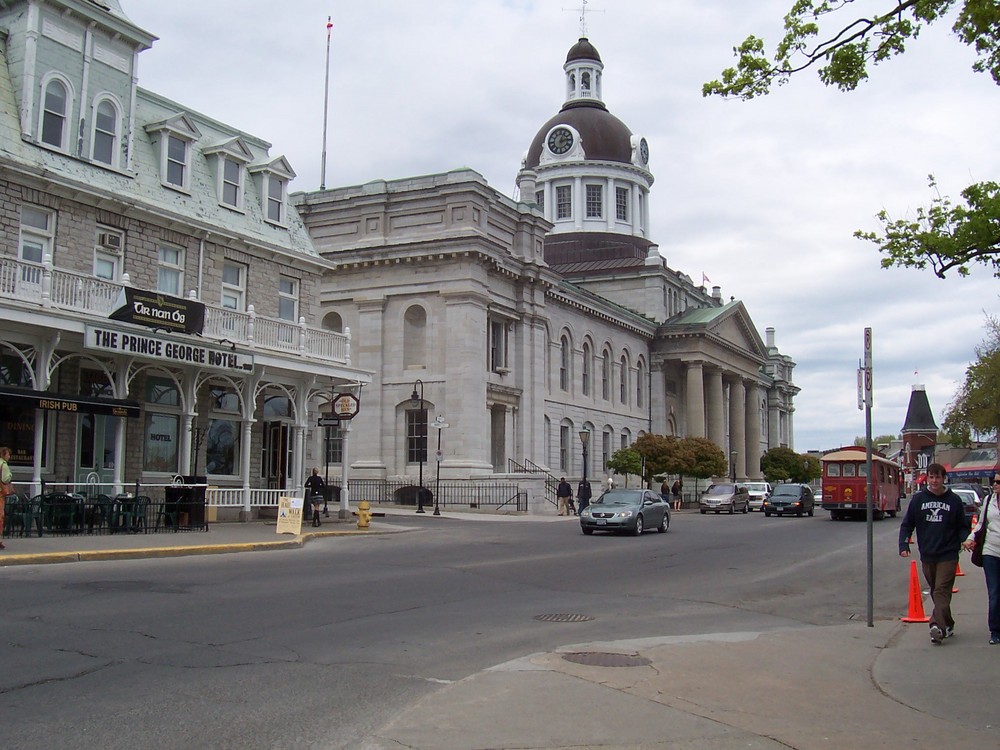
<point>916,613</point>
<point>958,569</point>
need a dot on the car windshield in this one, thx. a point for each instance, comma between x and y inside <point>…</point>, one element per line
<point>620,497</point>
<point>786,489</point>
<point>756,487</point>
<point>720,489</point>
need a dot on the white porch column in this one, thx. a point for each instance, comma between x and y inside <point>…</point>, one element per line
<point>737,426</point>
<point>695,400</point>
<point>714,407</point>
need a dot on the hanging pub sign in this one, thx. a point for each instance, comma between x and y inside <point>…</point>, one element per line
<point>156,310</point>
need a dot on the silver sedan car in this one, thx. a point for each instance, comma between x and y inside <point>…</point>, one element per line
<point>627,510</point>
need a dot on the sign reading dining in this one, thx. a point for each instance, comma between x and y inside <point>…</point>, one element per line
<point>166,350</point>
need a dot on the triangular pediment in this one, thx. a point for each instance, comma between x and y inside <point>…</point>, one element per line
<point>723,334</point>
<point>179,124</point>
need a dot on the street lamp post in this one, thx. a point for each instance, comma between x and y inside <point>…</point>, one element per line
<point>584,440</point>
<point>418,401</point>
<point>732,465</point>
<point>439,424</point>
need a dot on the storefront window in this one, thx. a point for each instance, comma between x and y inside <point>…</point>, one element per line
<point>222,447</point>
<point>162,426</point>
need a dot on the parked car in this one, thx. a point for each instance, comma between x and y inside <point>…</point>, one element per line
<point>626,510</point>
<point>759,492</point>
<point>725,496</point>
<point>970,498</point>
<point>790,498</point>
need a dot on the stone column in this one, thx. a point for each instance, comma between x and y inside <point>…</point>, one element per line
<point>753,449</point>
<point>737,427</point>
<point>658,398</point>
<point>714,407</point>
<point>695,404</point>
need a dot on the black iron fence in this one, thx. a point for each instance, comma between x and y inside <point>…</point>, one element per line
<point>456,494</point>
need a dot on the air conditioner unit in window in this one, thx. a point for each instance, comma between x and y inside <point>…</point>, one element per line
<point>109,240</point>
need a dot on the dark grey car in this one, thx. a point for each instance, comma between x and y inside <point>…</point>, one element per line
<point>790,498</point>
<point>626,510</point>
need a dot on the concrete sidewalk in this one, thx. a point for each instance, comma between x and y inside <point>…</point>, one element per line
<point>841,687</point>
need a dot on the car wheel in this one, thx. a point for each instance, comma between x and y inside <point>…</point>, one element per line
<point>811,511</point>
<point>746,508</point>
<point>638,526</point>
<point>587,531</point>
<point>798,513</point>
<point>732,508</point>
<point>703,511</point>
<point>664,524</point>
<point>767,513</point>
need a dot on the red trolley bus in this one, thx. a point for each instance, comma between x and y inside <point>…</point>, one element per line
<point>845,483</point>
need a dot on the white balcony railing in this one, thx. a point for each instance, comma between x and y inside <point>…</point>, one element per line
<point>48,287</point>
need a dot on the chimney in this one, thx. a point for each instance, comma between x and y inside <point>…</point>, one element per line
<point>769,332</point>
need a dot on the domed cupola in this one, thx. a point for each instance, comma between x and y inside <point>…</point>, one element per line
<point>584,168</point>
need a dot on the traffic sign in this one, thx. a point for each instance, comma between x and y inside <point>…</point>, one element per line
<point>328,422</point>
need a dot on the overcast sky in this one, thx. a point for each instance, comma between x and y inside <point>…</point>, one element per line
<point>762,197</point>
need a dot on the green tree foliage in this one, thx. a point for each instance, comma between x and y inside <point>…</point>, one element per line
<point>976,406</point>
<point>944,236</point>
<point>659,453</point>
<point>702,458</point>
<point>625,461</point>
<point>785,465</point>
<point>877,440</point>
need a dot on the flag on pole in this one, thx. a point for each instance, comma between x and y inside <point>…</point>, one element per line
<point>329,25</point>
<point>705,279</point>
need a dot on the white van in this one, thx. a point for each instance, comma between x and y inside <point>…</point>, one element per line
<point>759,492</point>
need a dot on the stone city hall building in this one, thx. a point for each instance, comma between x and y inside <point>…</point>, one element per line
<point>170,308</point>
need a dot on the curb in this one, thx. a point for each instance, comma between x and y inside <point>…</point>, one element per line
<point>137,553</point>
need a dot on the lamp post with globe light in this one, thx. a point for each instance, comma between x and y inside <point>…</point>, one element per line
<point>417,399</point>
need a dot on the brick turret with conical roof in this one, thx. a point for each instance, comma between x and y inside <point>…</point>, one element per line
<point>919,435</point>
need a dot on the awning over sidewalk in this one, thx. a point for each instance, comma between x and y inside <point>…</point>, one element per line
<point>71,404</point>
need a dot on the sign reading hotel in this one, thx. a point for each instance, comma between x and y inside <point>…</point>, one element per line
<point>156,310</point>
<point>290,515</point>
<point>166,350</point>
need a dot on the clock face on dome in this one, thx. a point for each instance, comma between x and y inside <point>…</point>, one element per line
<point>560,140</point>
<point>644,151</point>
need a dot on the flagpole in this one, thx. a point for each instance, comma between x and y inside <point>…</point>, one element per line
<point>326,104</point>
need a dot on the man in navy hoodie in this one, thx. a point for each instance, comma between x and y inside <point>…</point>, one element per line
<point>938,515</point>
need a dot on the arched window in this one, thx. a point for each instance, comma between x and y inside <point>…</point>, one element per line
<point>640,383</point>
<point>623,380</point>
<point>564,362</point>
<point>415,337</point>
<point>606,375</point>
<point>55,110</point>
<point>585,377</point>
<point>104,141</point>
<point>332,321</point>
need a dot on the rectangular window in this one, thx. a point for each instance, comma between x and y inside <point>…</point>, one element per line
<point>105,140</point>
<point>234,280</point>
<point>160,441</point>
<point>416,436</point>
<point>595,201</point>
<point>37,231</point>
<point>498,345</point>
<point>621,203</point>
<point>849,470</point>
<point>833,470</point>
<point>564,202</point>
<point>232,183</point>
<point>334,445</point>
<point>564,449</point>
<point>176,161</point>
<point>108,254</point>
<point>288,299</point>
<point>170,271</point>
<point>540,200</point>
<point>222,447</point>
<point>605,451</point>
<point>275,199</point>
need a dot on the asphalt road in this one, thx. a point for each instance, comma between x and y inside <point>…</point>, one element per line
<point>316,647</point>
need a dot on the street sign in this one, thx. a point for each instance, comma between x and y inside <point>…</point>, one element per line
<point>329,422</point>
<point>346,405</point>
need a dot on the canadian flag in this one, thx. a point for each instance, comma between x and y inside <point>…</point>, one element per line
<point>705,279</point>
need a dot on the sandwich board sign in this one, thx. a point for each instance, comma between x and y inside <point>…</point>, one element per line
<point>290,515</point>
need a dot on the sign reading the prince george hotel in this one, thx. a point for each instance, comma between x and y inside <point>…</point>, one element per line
<point>166,350</point>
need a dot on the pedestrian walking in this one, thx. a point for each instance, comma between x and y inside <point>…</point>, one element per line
<point>314,494</point>
<point>988,529</point>
<point>675,492</point>
<point>938,516</point>
<point>564,494</point>
<point>6,488</point>
<point>665,491</point>
<point>583,494</point>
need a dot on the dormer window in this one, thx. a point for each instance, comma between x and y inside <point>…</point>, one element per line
<point>230,157</point>
<point>56,102</point>
<point>174,138</point>
<point>272,178</point>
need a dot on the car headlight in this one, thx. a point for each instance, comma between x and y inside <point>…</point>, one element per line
<point>585,513</point>
<point>625,514</point>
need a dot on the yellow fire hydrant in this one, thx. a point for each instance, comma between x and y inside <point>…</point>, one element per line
<point>364,514</point>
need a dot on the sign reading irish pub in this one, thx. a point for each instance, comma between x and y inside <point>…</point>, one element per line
<point>155,310</point>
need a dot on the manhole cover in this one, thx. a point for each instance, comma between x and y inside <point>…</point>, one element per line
<point>604,659</point>
<point>563,618</point>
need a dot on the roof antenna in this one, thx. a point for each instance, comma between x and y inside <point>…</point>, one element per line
<point>582,10</point>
